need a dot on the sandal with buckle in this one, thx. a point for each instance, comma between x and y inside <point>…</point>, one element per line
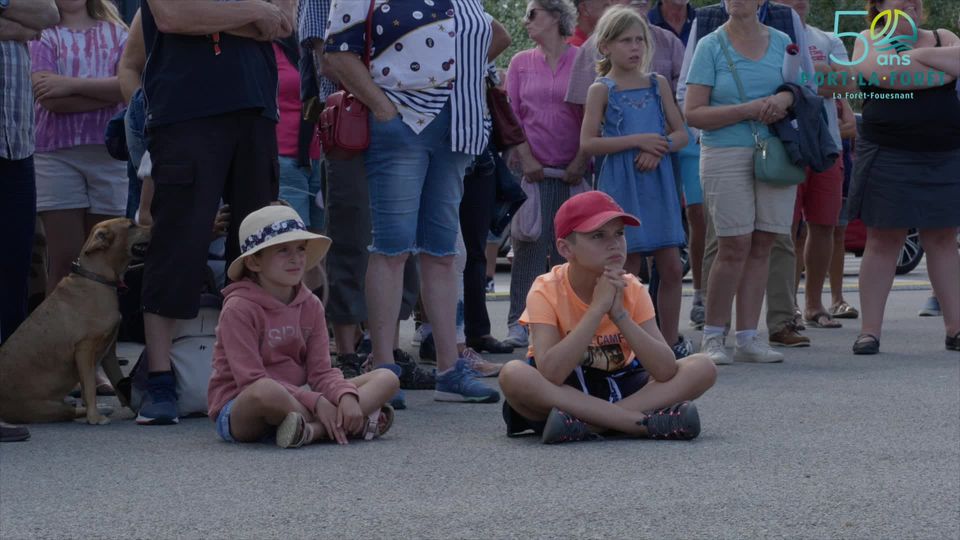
<point>821,320</point>
<point>866,344</point>
<point>844,310</point>
<point>378,423</point>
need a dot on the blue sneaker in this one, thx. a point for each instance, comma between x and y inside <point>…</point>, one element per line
<point>160,406</point>
<point>399,401</point>
<point>459,385</point>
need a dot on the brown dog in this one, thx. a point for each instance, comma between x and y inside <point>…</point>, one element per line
<point>70,332</point>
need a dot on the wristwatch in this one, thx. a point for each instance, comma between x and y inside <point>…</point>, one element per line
<point>4,4</point>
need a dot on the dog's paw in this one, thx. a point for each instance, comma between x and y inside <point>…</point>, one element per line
<point>97,420</point>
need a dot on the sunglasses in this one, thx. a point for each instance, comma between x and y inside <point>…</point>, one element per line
<point>532,14</point>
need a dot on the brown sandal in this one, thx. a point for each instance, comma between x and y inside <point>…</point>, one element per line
<point>844,310</point>
<point>822,320</point>
<point>866,344</point>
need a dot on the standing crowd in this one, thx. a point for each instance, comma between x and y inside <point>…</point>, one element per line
<point>641,128</point>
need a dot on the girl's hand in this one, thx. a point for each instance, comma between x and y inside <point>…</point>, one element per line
<point>652,143</point>
<point>646,162</point>
<point>48,86</point>
<point>327,414</point>
<point>349,416</point>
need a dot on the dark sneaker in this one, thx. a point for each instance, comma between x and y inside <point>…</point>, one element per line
<point>160,406</point>
<point>12,433</point>
<point>459,385</point>
<point>561,427</point>
<point>953,342</point>
<point>351,365</point>
<point>698,315</point>
<point>428,349</point>
<point>412,376</point>
<point>682,348</point>
<point>680,421</point>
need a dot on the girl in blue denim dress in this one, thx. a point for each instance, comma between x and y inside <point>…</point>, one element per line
<point>631,119</point>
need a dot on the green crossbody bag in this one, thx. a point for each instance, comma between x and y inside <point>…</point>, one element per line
<point>771,164</point>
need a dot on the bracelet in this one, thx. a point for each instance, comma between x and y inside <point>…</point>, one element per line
<point>619,317</point>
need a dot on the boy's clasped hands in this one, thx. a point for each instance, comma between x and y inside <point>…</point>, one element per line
<point>608,293</point>
<point>341,420</point>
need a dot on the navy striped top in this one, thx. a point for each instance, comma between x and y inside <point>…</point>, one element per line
<point>424,54</point>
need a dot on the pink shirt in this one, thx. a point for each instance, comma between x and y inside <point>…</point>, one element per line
<point>91,54</point>
<point>537,95</point>
<point>288,100</point>
<point>260,337</point>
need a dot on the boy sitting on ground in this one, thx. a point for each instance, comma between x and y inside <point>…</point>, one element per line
<point>597,361</point>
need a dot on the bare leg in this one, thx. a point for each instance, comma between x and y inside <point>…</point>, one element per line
<point>65,238</point>
<point>634,264</point>
<point>943,266</point>
<point>671,289</point>
<point>753,281</point>
<point>725,276</point>
<point>439,293</point>
<point>384,290</point>
<point>375,389</point>
<point>146,199</point>
<point>817,255</point>
<point>262,406</point>
<point>836,265</point>
<point>698,231</point>
<point>346,337</point>
<point>158,332</point>
<point>877,268</point>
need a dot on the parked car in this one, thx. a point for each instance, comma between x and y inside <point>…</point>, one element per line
<point>856,239</point>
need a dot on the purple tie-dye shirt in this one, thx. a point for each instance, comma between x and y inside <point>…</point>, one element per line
<point>92,54</point>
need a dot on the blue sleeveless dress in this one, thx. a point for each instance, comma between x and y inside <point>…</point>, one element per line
<point>651,196</point>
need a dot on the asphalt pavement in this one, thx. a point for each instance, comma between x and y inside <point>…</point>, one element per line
<point>825,445</point>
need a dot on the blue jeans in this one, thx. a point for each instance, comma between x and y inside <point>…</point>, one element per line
<point>299,187</point>
<point>416,184</point>
<point>18,215</point>
<point>137,146</point>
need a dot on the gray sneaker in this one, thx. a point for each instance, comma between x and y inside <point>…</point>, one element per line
<point>716,350</point>
<point>517,337</point>
<point>562,427</point>
<point>931,308</point>
<point>698,315</point>
<point>758,352</point>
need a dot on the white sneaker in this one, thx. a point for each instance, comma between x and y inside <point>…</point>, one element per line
<point>715,349</point>
<point>757,351</point>
<point>517,336</point>
<point>419,335</point>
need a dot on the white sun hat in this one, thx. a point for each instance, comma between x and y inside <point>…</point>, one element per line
<point>272,225</point>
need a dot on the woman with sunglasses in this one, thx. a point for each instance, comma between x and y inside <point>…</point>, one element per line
<point>537,81</point>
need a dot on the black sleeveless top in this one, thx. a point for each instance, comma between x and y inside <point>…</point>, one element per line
<point>927,121</point>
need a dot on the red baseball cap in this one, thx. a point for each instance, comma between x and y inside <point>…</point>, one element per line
<point>587,212</point>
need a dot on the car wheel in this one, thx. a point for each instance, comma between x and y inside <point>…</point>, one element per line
<point>911,253</point>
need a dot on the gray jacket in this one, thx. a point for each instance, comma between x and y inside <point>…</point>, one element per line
<point>805,132</point>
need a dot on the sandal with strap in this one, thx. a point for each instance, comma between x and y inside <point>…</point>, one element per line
<point>378,423</point>
<point>866,344</point>
<point>293,432</point>
<point>844,310</point>
<point>822,320</point>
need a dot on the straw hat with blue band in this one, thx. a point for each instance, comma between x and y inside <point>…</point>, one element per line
<point>274,225</point>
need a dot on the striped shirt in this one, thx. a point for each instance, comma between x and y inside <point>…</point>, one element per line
<point>88,54</point>
<point>424,53</point>
<point>16,101</point>
<point>313,16</point>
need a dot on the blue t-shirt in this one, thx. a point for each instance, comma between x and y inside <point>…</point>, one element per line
<point>760,79</point>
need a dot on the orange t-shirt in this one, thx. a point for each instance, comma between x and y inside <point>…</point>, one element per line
<point>552,301</point>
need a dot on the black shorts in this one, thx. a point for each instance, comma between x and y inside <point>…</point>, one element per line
<point>611,386</point>
<point>196,163</point>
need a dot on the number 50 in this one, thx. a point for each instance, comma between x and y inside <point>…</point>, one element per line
<point>856,35</point>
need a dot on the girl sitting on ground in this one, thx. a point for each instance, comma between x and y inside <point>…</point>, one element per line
<point>271,366</point>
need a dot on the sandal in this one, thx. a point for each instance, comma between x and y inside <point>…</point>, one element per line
<point>866,344</point>
<point>292,432</point>
<point>844,310</point>
<point>822,320</point>
<point>378,423</point>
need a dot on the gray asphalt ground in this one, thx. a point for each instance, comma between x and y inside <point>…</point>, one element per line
<point>826,445</point>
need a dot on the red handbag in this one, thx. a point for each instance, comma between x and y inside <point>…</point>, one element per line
<point>344,128</point>
<point>507,130</point>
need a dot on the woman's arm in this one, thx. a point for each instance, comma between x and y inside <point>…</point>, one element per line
<point>917,74</point>
<point>847,121</point>
<point>133,60</point>
<point>72,104</point>
<point>202,17</point>
<point>594,144</point>
<point>347,68</point>
<point>106,89</point>
<point>701,115</point>
<point>946,59</point>
<point>35,14</point>
<point>501,40</point>
<point>14,31</point>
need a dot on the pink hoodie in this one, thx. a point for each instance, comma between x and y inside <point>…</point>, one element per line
<point>260,337</point>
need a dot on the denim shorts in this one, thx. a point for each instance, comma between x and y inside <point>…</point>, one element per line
<point>223,422</point>
<point>416,184</point>
<point>690,171</point>
<point>299,187</point>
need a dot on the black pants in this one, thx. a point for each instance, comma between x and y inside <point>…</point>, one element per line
<point>197,162</point>
<point>18,215</point>
<point>476,210</point>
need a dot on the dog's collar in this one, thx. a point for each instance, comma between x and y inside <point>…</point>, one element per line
<point>75,268</point>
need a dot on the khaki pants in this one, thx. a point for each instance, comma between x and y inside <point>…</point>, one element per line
<point>780,282</point>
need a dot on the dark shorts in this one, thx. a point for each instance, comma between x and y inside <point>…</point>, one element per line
<point>610,386</point>
<point>196,163</point>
